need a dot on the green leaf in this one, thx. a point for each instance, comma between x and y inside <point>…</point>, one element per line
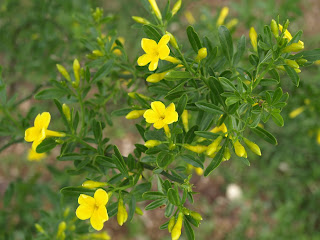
<point>277,95</point>
<point>46,145</point>
<point>152,32</point>
<point>267,136</point>
<point>9,192</point>
<point>103,71</point>
<point>164,159</point>
<point>132,207</point>
<point>182,104</point>
<point>193,39</point>
<point>216,89</point>
<point>50,93</point>
<point>173,197</point>
<point>277,118</point>
<point>76,191</point>
<point>118,160</point>
<point>156,204</point>
<point>215,162</point>
<point>105,161</point>
<point>153,195</point>
<point>241,47</point>
<point>232,100</point>
<point>70,157</point>
<point>226,43</point>
<point>207,135</point>
<point>189,230</point>
<point>245,161</point>
<point>196,162</point>
<point>177,75</point>
<point>209,107</point>
<point>121,112</point>
<point>227,84</point>
<point>293,75</point>
<point>310,55</point>
<point>97,130</point>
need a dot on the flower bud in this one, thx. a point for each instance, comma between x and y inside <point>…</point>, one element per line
<point>185,120</point>
<point>301,61</point>
<point>76,71</point>
<point>176,230</point>
<point>199,171</point>
<point>122,214</point>
<point>176,7</point>
<point>173,41</point>
<point>66,111</point>
<point>62,227</point>
<point>274,28</point>
<point>196,149</point>
<point>140,20</point>
<point>156,77</point>
<point>232,23</point>
<point>253,38</point>
<point>239,149</point>
<point>212,148</point>
<point>138,211</point>
<point>152,143</point>
<point>253,147</point>
<point>172,60</point>
<point>133,95</point>
<point>155,9</point>
<point>135,114</point>
<point>202,53</point>
<point>296,112</point>
<point>189,17</point>
<point>39,228</point>
<point>63,72</point>
<point>226,154</point>
<point>291,63</point>
<point>97,53</point>
<point>223,14</point>
<point>318,136</point>
<point>196,215</point>
<point>66,212</point>
<point>171,224</point>
<point>93,184</point>
<point>294,47</point>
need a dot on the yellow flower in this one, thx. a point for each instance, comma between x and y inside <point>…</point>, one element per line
<point>223,14</point>
<point>254,38</point>
<point>93,208</point>
<point>40,130</point>
<point>122,214</point>
<point>34,156</point>
<point>288,35</point>
<point>154,51</point>
<point>161,116</point>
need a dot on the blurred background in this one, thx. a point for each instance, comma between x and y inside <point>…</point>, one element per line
<point>277,197</point>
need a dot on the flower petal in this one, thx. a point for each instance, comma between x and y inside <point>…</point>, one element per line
<point>31,134</point>
<point>101,197</point>
<point>42,120</point>
<point>158,107</point>
<point>164,52</point>
<point>84,211</point>
<point>149,45</point>
<point>159,124</point>
<point>144,59</point>
<point>96,220</point>
<point>86,199</point>
<point>102,212</point>
<point>151,116</point>
<point>170,114</point>
<point>164,40</point>
<point>154,63</point>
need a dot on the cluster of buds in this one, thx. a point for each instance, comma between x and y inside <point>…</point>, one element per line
<point>76,73</point>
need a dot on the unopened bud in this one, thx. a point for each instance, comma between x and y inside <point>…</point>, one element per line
<point>172,60</point>
<point>97,53</point>
<point>176,230</point>
<point>239,149</point>
<point>66,111</point>
<point>76,71</point>
<point>291,63</point>
<point>296,112</point>
<point>63,72</point>
<point>185,120</point>
<point>140,20</point>
<point>122,214</point>
<point>294,47</point>
<point>301,61</point>
<point>318,136</point>
<point>171,224</point>
<point>226,154</point>
<point>139,211</point>
<point>173,41</point>
<point>176,7</point>
<point>253,38</point>
<point>196,215</point>
<point>152,143</point>
<point>39,228</point>
<point>232,23</point>
<point>274,28</point>
<point>212,148</point>
<point>196,149</point>
<point>93,184</point>
<point>135,114</point>
<point>202,53</point>
<point>223,14</point>
<point>253,147</point>
<point>155,9</point>
<point>156,77</point>
<point>66,212</point>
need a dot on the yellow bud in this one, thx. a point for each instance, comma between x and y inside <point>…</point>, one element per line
<point>176,230</point>
<point>239,149</point>
<point>152,143</point>
<point>199,171</point>
<point>173,41</point>
<point>171,224</point>
<point>93,184</point>
<point>196,215</point>
<point>176,7</point>
<point>301,61</point>
<point>189,17</point>
<point>61,229</point>
<point>135,114</point>
<point>66,111</point>
<point>122,214</point>
<point>140,20</point>
<point>139,211</point>
<point>294,47</point>
<point>63,72</point>
<point>291,63</point>
<point>76,71</point>
<point>202,53</point>
<point>274,28</point>
<point>296,112</point>
<point>172,60</point>
<point>318,136</point>
<point>97,53</point>
<point>317,62</point>
<point>253,38</point>
<point>223,14</point>
<point>253,147</point>
<point>232,23</point>
<point>66,212</point>
<point>156,77</point>
<point>297,70</point>
<point>196,149</point>
<point>226,154</point>
<point>185,120</point>
<point>39,228</point>
<point>155,9</point>
<point>212,148</point>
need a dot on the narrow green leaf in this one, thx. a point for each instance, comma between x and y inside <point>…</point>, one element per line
<point>267,136</point>
<point>103,71</point>
<point>156,204</point>
<point>153,195</point>
<point>293,75</point>
<point>189,230</point>
<point>50,93</point>
<point>177,75</point>
<point>46,145</point>
<point>241,47</point>
<point>209,107</point>
<point>182,104</point>
<point>226,43</point>
<point>193,39</point>
<point>173,197</point>
<point>215,162</point>
<point>152,32</point>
